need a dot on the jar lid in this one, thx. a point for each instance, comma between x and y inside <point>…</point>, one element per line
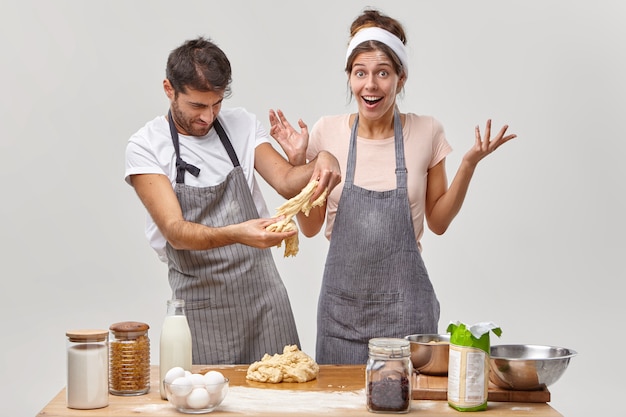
<point>129,327</point>
<point>389,347</point>
<point>87,335</point>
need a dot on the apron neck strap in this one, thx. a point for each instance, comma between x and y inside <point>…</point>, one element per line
<point>182,166</point>
<point>226,142</point>
<point>401,171</point>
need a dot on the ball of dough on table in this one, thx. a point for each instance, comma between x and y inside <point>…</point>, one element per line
<point>292,365</point>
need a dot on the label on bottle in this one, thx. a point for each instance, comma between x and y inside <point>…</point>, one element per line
<point>468,378</point>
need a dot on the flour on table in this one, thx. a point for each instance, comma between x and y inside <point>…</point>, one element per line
<point>246,400</point>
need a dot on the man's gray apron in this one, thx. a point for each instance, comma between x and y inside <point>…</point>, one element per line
<point>237,306</point>
<point>375,283</point>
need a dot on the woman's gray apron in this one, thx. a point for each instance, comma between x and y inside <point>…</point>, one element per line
<point>237,306</point>
<point>375,283</point>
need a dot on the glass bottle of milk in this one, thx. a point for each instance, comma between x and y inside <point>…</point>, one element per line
<point>175,343</point>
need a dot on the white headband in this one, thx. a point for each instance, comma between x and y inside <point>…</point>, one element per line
<point>384,36</point>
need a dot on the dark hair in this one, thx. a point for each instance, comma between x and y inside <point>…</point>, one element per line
<point>374,18</point>
<point>200,65</point>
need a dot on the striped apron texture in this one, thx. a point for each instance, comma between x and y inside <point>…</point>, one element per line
<point>375,283</point>
<point>237,305</point>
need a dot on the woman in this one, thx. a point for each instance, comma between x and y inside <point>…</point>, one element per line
<point>375,283</point>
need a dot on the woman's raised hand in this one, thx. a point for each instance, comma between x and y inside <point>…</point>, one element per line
<point>484,145</point>
<point>293,143</point>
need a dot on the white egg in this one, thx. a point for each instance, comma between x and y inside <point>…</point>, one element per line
<point>199,398</point>
<point>174,373</point>
<point>181,386</point>
<point>216,396</point>
<point>178,401</point>
<point>187,373</point>
<point>196,379</point>
<point>213,377</point>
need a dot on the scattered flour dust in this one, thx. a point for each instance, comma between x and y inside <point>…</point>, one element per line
<point>245,400</point>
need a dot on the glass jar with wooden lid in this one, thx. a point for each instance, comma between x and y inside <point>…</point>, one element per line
<point>87,371</point>
<point>129,358</point>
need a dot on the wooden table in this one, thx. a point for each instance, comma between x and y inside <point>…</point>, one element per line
<point>338,391</point>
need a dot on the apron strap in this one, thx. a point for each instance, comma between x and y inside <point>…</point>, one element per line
<point>351,163</point>
<point>181,166</point>
<point>226,142</point>
<point>401,171</point>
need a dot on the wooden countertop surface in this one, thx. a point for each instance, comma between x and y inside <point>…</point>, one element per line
<point>338,391</point>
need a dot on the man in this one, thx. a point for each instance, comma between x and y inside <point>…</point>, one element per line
<point>194,172</point>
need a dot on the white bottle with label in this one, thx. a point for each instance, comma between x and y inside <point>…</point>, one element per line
<point>175,343</point>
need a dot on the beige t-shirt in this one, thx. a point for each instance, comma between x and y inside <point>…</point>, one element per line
<point>425,145</point>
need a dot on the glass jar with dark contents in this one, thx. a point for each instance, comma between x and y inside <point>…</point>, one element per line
<point>388,376</point>
<point>129,359</point>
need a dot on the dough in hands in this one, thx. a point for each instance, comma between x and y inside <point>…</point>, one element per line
<point>300,203</point>
<point>292,365</point>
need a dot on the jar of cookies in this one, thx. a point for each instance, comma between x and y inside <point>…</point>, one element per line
<point>129,358</point>
<point>388,376</point>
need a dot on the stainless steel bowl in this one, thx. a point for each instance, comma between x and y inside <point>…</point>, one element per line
<point>430,353</point>
<point>527,367</point>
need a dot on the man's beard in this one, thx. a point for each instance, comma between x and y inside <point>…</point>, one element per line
<point>187,124</point>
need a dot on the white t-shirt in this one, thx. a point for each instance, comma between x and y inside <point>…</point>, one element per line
<point>425,145</point>
<point>151,151</point>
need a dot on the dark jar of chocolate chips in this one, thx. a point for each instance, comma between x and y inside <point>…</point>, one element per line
<point>388,376</point>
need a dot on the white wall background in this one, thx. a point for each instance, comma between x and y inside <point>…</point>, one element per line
<point>538,247</point>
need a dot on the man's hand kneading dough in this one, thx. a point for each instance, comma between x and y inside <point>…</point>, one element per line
<point>300,203</point>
